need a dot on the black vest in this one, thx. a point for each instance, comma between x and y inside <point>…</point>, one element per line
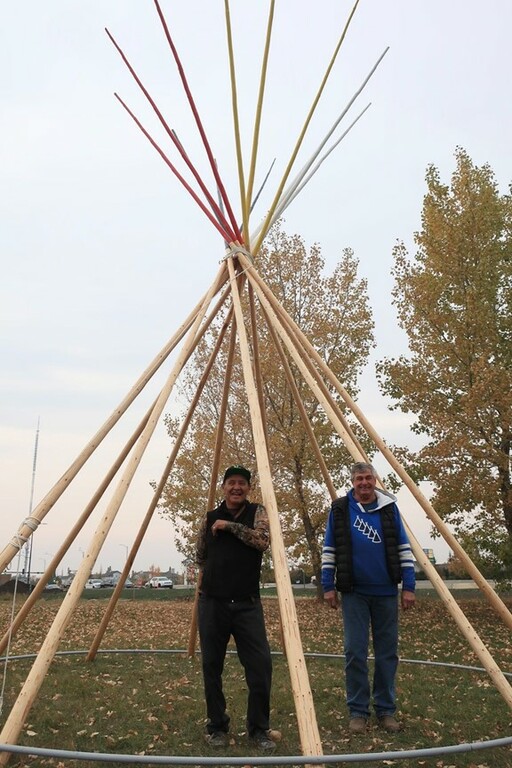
<point>343,544</point>
<point>232,569</point>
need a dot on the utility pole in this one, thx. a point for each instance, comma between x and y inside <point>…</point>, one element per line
<point>28,545</point>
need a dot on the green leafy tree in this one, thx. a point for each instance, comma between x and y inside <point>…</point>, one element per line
<point>333,311</point>
<point>454,301</point>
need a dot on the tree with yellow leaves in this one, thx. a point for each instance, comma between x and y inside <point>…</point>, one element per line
<point>454,301</point>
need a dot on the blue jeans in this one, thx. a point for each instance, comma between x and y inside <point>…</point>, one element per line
<point>381,613</point>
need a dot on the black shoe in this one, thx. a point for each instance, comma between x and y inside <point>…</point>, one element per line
<point>217,739</point>
<point>262,740</point>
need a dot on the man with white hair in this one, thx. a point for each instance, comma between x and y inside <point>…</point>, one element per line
<point>366,555</point>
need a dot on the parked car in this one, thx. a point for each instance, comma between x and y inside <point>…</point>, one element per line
<point>160,582</point>
<point>113,581</point>
<point>93,584</point>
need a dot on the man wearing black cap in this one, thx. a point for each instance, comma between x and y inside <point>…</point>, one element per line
<point>230,546</point>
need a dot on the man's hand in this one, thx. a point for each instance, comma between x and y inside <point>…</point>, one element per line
<point>219,525</point>
<point>331,598</point>
<point>407,599</point>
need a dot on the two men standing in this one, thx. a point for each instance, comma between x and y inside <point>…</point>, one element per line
<point>366,555</point>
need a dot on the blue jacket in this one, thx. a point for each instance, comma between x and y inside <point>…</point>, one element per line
<point>369,565</point>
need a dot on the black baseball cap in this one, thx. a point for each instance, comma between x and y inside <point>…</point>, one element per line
<point>237,469</point>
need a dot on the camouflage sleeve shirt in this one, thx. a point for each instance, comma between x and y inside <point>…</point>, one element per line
<point>257,537</point>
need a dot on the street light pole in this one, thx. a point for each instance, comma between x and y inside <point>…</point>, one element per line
<point>48,554</point>
<point>29,544</point>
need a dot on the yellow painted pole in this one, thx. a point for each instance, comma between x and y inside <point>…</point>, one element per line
<point>259,110</point>
<point>236,125</point>
<point>265,227</point>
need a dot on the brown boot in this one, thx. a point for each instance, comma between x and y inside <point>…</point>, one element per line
<point>357,725</point>
<point>390,724</point>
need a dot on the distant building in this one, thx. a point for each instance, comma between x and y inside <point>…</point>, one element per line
<point>430,554</point>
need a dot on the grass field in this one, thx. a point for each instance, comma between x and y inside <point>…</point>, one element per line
<point>152,703</point>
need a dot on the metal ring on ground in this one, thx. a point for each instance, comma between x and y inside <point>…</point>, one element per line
<point>362,757</point>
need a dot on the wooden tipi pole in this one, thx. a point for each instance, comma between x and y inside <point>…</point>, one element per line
<point>219,436</point>
<point>302,411</point>
<point>206,144</point>
<point>156,495</point>
<point>468,631</point>
<point>335,416</point>
<point>306,717</point>
<point>256,361</point>
<point>316,383</point>
<point>219,433</point>
<point>215,216</point>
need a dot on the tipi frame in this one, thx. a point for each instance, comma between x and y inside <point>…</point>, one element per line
<point>236,273</point>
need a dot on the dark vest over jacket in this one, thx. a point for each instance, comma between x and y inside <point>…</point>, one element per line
<point>343,544</point>
<point>232,569</point>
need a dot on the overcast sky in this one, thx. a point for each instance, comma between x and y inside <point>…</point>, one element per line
<point>104,254</point>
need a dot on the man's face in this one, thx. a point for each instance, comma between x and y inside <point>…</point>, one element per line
<point>236,489</point>
<point>364,487</point>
